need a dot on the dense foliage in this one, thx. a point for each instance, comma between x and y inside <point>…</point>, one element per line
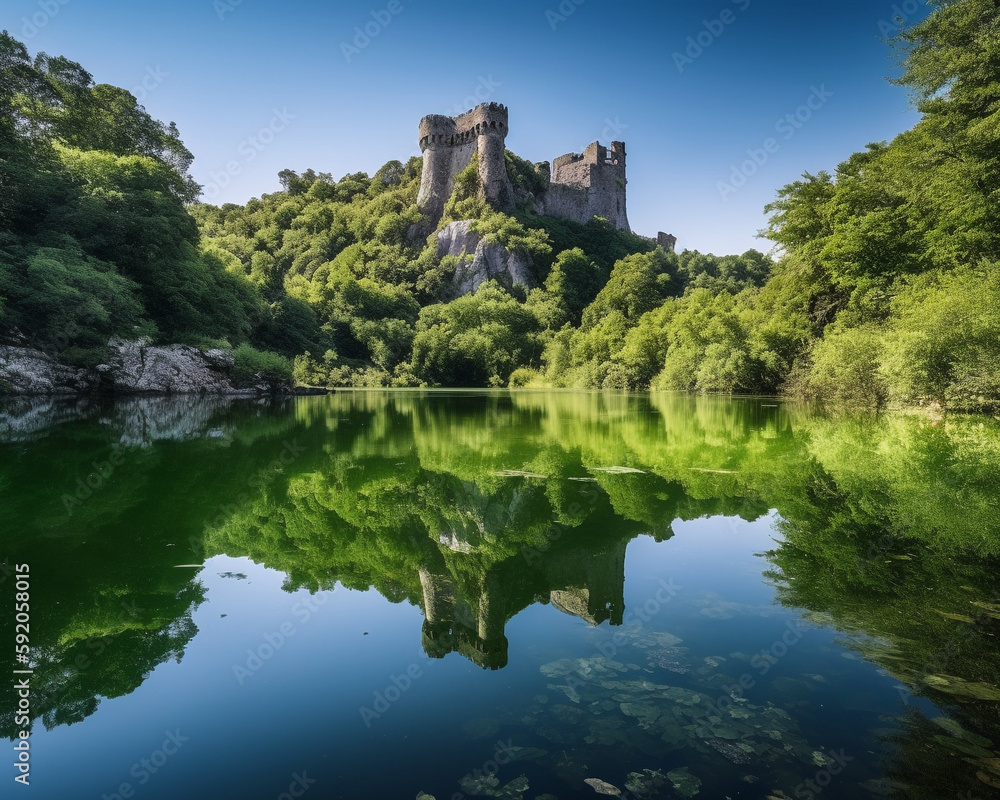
<point>95,236</point>
<point>355,253</point>
<point>885,291</point>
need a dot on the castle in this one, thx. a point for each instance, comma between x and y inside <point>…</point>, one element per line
<point>579,186</point>
<point>448,145</point>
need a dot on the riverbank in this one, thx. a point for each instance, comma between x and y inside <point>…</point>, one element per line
<point>136,368</point>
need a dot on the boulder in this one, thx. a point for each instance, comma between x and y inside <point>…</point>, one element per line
<point>134,367</point>
<point>28,372</point>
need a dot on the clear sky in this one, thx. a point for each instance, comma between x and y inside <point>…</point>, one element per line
<point>265,86</point>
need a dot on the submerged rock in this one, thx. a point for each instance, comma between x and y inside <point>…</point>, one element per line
<point>525,753</point>
<point>645,713</point>
<point>603,787</point>
<point>557,669</point>
<point>645,783</point>
<point>487,786</point>
<point>685,784</point>
<point>738,753</point>
<point>479,785</point>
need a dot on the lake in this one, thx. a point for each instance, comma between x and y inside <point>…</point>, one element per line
<point>528,595</point>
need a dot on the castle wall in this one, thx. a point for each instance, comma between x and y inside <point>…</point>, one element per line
<point>589,184</point>
<point>448,145</point>
<point>441,164</point>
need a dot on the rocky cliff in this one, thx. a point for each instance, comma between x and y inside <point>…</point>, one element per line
<point>480,261</point>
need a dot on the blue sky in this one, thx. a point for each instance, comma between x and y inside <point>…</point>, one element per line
<point>257,87</point>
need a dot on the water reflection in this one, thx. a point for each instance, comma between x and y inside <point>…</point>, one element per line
<point>476,506</point>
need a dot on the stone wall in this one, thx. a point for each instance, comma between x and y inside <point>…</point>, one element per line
<point>589,184</point>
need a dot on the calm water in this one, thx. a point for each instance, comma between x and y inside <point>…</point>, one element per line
<point>502,595</point>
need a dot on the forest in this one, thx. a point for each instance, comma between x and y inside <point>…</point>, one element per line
<point>881,287</point>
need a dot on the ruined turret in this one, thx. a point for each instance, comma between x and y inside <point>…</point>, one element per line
<point>448,145</point>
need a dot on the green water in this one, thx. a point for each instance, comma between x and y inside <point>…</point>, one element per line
<point>502,595</point>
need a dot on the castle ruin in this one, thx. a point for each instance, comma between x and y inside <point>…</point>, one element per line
<point>587,185</point>
<point>578,186</point>
<point>448,145</point>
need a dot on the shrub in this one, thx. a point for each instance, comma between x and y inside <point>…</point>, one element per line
<point>251,365</point>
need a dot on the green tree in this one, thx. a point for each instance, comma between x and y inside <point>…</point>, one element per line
<point>476,340</point>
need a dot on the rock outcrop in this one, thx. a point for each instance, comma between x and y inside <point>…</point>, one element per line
<point>137,368</point>
<point>132,368</point>
<point>28,372</point>
<point>480,261</point>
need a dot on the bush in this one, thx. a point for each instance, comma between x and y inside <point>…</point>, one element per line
<point>252,365</point>
<point>523,377</point>
<point>846,368</point>
<point>944,340</point>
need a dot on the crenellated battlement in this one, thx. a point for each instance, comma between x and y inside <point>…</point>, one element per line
<point>449,144</point>
<point>489,119</point>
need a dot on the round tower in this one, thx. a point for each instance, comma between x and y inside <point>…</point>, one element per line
<point>448,145</point>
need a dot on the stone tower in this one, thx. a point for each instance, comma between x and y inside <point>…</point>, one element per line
<point>448,145</point>
<point>589,184</point>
